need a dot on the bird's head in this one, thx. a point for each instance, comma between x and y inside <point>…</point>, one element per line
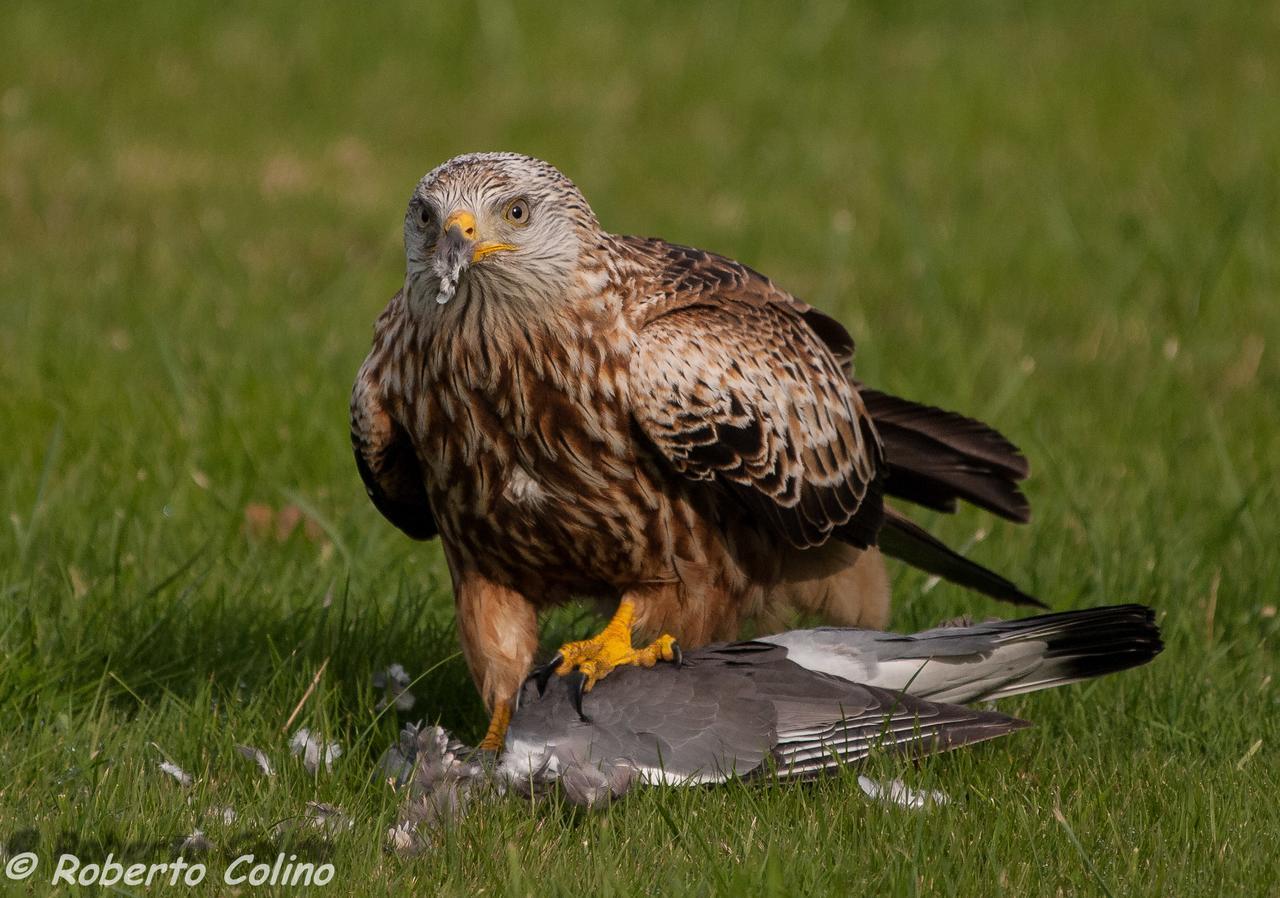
<point>501,223</point>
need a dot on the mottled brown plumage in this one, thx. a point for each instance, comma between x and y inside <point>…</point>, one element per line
<point>576,413</point>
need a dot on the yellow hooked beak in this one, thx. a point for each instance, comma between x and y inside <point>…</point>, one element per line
<point>465,223</point>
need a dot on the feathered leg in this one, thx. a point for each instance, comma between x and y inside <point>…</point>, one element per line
<point>839,584</point>
<point>499,631</point>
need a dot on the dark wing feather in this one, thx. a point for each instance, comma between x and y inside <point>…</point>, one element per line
<point>731,384</point>
<point>385,457</point>
<point>1078,645</point>
<point>936,457</point>
<point>907,541</point>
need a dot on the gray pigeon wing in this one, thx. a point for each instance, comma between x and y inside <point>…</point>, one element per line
<point>984,661</point>
<point>727,710</point>
<point>872,719</point>
<point>824,721</point>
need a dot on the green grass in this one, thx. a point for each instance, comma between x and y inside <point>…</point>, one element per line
<point>1064,218</point>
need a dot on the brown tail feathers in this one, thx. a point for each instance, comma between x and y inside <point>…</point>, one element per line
<point>907,541</point>
<point>935,458</point>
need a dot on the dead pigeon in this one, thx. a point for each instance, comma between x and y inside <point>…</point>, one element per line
<point>796,705</point>
<point>805,702</point>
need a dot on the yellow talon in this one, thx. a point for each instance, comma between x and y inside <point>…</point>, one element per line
<point>595,658</point>
<point>497,733</point>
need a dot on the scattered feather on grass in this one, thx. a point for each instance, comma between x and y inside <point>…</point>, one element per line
<point>393,683</point>
<point>313,751</point>
<point>195,843</point>
<point>224,814</point>
<point>441,779</point>
<point>897,792</point>
<point>328,818</point>
<point>258,757</point>
<point>176,772</point>
<point>403,838</point>
<point>319,816</point>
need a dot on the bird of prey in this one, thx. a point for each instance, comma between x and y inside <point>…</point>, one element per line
<point>795,705</point>
<point>577,413</point>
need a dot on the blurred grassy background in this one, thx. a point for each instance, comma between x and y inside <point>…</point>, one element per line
<point>1061,218</point>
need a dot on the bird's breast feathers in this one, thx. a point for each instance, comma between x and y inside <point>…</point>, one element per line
<point>527,450</point>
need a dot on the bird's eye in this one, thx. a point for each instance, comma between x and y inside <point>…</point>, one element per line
<point>517,212</point>
<point>424,215</point>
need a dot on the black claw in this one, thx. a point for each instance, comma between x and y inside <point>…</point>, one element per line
<point>677,655</point>
<point>576,683</point>
<point>542,675</point>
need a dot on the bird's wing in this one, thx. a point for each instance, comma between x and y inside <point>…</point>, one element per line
<point>936,457</point>
<point>726,712</point>
<point>732,382</point>
<point>907,541</point>
<point>822,722</point>
<point>384,453</point>
<point>1038,652</point>
<point>871,719</point>
<point>984,661</point>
